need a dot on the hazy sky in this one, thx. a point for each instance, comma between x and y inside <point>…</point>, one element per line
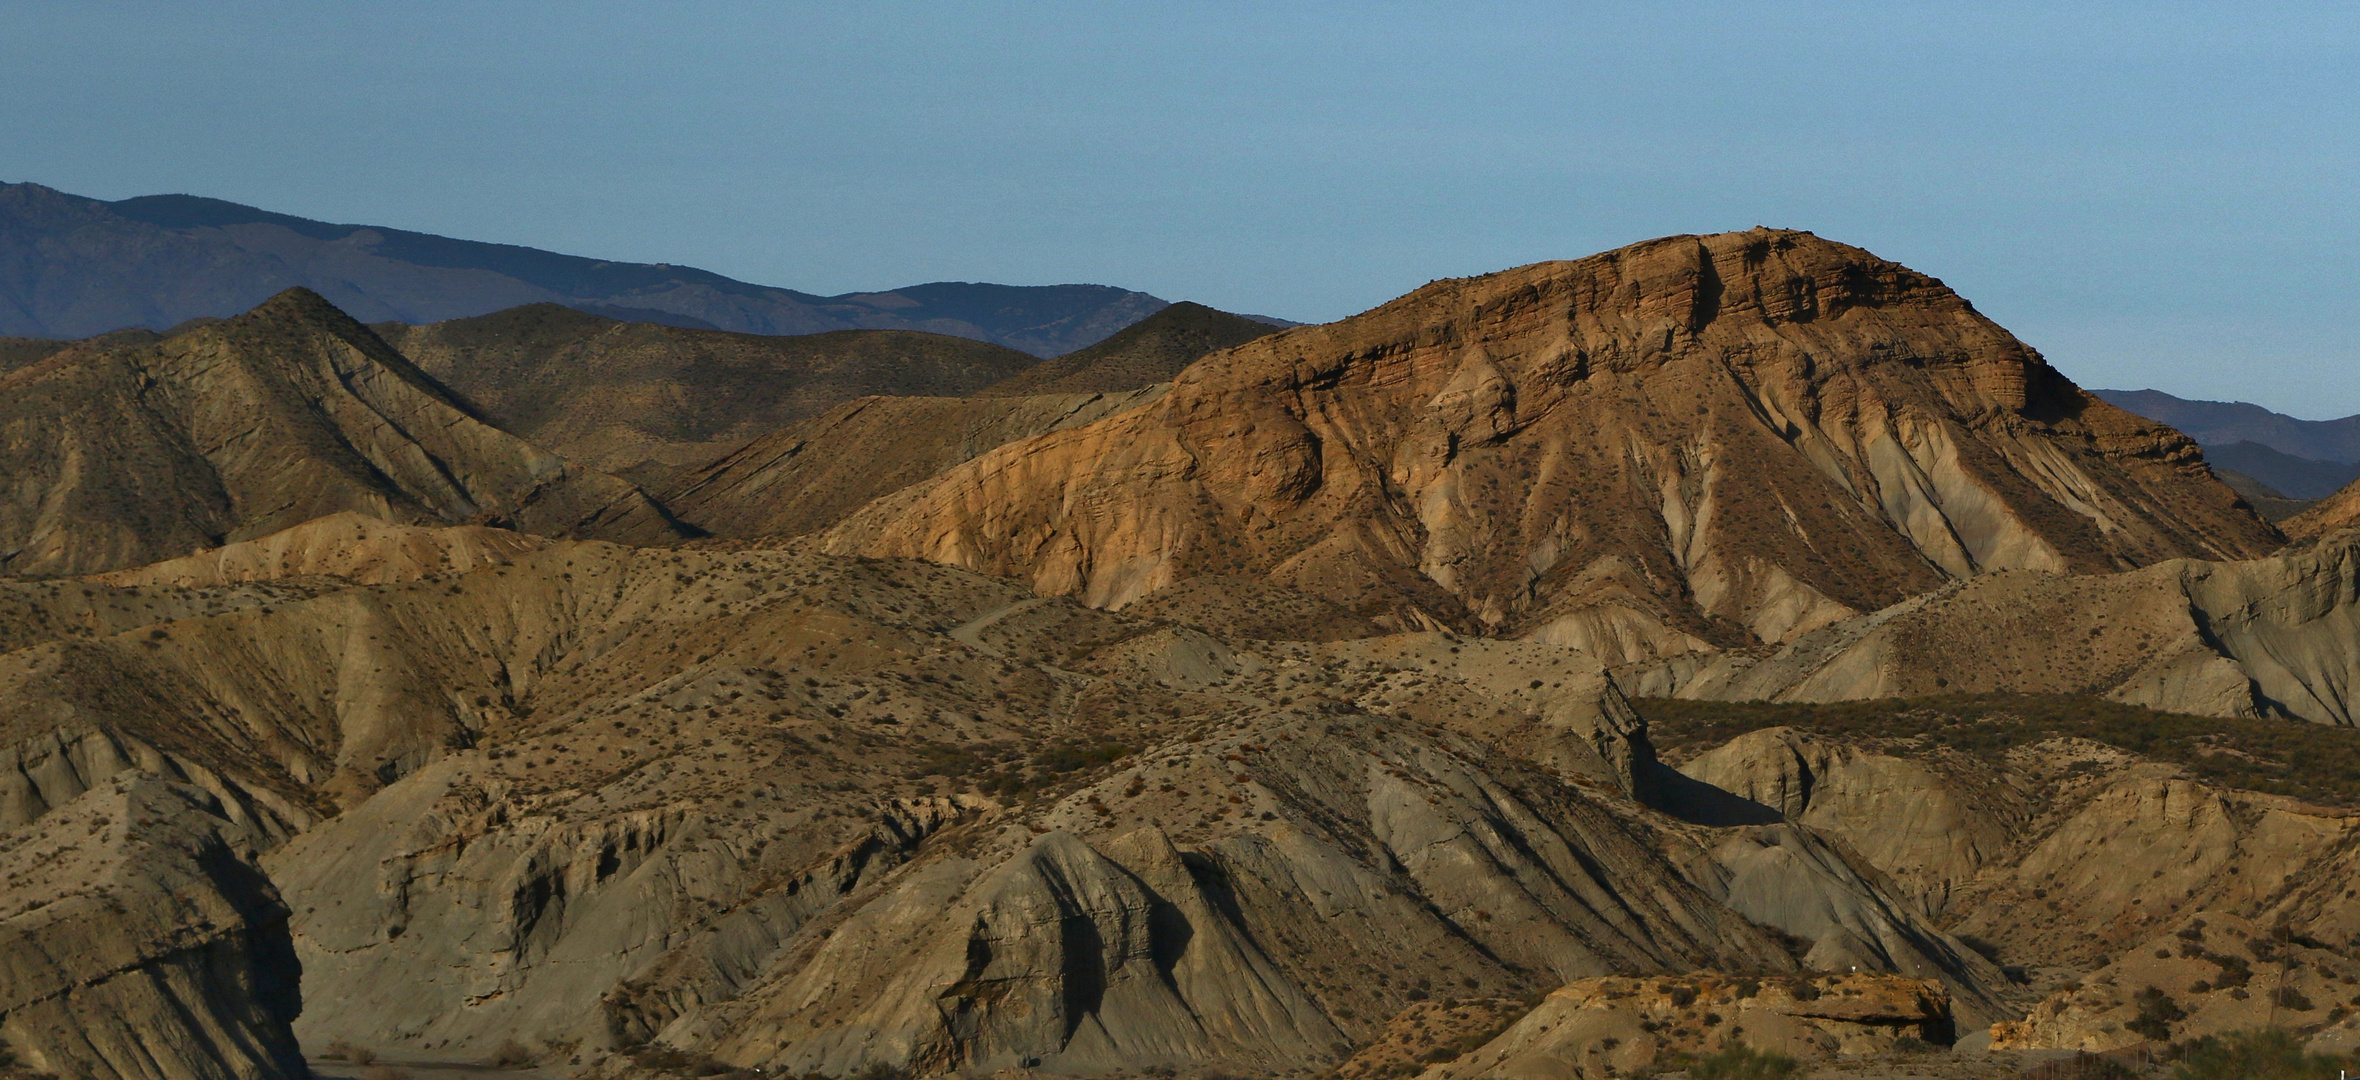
<point>2153,195</point>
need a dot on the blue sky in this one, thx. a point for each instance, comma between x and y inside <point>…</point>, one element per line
<point>2152,194</point>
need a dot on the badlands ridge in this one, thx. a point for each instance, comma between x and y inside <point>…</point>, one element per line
<point>1547,674</point>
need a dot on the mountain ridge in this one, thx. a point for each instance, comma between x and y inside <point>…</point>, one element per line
<point>1685,444</point>
<point>73,267</point>
<point>126,455</point>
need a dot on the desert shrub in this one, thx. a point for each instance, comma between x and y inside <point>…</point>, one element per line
<point>2288,997</point>
<point>512,1055</point>
<point>1737,1061</point>
<point>341,1050</point>
<point>2081,1067</point>
<point>2157,1013</point>
<point>2264,1054</point>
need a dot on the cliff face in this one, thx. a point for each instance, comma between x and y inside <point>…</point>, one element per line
<point>139,941</point>
<point>1693,441</point>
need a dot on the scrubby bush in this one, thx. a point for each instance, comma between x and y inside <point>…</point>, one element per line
<point>2265,1054</point>
<point>1737,1061</point>
<point>2081,1067</point>
<point>2157,1013</point>
<point>513,1055</point>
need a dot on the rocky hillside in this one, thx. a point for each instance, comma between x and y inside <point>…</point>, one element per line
<point>2266,637</point>
<point>809,476</point>
<point>1577,671</point>
<point>139,941</point>
<point>71,267</point>
<point>119,456</point>
<point>680,801</point>
<point>1691,443</point>
<point>2330,516</point>
<point>646,401</point>
<point>2142,898</point>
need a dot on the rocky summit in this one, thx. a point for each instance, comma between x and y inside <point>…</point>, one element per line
<point>1690,444</point>
<point>1727,652</point>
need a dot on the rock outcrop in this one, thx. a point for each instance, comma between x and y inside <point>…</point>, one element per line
<point>1599,1028</point>
<point>1688,443</point>
<point>138,941</point>
<point>2266,637</point>
<point>124,456</point>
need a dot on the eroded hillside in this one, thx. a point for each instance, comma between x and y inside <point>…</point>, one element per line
<point>120,456</point>
<point>1691,443</point>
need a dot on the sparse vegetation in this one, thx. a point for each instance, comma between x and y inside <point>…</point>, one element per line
<point>513,1055</point>
<point>2157,1013</point>
<point>2081,1067</point>
<point>1737,1061</point>
<point>2264,1054</point>
<point>2313,762</point>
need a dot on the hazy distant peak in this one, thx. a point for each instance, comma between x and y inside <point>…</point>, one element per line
<point>86,266</point>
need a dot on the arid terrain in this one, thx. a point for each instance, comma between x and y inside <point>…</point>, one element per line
<point>1576,671</point>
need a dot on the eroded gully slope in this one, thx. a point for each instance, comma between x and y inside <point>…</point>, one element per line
<point>1690,443</point>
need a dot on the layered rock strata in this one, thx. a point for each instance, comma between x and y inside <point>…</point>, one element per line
<point>1689,443</point>
<point>138,941</point>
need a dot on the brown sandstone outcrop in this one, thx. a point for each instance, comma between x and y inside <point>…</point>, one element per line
<point>1599,1028</point>
<point>1690,442</point>
<point>123,456</point>
<point>138,941</point>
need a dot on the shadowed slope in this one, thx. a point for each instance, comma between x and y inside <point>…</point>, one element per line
<point>1151,351</point>
<point>647,400</point>
<point>809,476</point>
<point>124,456</point>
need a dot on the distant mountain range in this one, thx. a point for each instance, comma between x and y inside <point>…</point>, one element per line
<point>2296,460</point>
<point>72,267</point>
